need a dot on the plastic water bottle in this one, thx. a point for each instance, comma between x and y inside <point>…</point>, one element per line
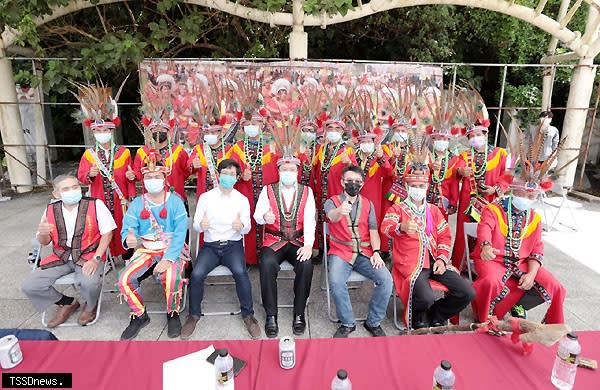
<point>565,363</point>
<point>224,370</point>
<point>443,377</point>
<point>341,381</point>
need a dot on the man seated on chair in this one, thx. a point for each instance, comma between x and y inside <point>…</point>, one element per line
<point>223,215</point>
<point>354,245</point>
<point>80,230</point>
<point>509,253</point>
<point>421,250</point>
<point>287,209</point>
<point>156,220</point>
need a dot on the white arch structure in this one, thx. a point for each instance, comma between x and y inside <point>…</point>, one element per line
<point>584,46</point>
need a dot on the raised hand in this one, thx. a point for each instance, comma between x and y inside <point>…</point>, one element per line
<point>237,223</point>
<point>45,228</point>
<point>131,240</point>
<point>130,174</point>
<point>205,223</point>
<point>247,175</point>
<point>346,159</point>
<point>345,208</point>
<point>196,162</point>
<point>93,171</point>
<point>409,227</point>
<point>269,217</point>
<point>379,151</point>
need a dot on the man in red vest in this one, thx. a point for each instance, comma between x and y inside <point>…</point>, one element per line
<point>354,245</point>
<point>80,230</point>
<point>287,210</point>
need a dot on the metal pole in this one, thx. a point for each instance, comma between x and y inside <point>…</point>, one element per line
<point>586,149</point>
<point>40,128</point>
<point>500,106</point>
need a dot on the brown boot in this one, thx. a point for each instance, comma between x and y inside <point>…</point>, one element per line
<point>188,328</point>
<point>63,313</point>
<point>252,326</point>
<point>85,317</point>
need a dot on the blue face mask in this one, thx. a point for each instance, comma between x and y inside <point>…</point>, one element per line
<point>227,181</point>
<point>521,203</point>
<point>288,178</point>
<point>70,197</point>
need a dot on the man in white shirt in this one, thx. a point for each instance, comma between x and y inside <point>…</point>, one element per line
<point>80,230</point>
<point>550,134</point>
<point>287,210</point>
<point>223,215</point>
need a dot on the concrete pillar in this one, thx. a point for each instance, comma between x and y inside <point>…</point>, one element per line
<point>298,39</point>
<point>580,92</point>
<point>548,79</point>
<point>11,127</point>
<point>40,129</point>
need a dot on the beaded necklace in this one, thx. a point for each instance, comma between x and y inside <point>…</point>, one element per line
<point>212,158</point>
<point>401,168</point>
<point>253,161</point>
<point>514,243</point>
<point>437,179</point>
<point>483,168</point>
<point>326,165</point>
<point>288,216</point>
<point>109,168</point>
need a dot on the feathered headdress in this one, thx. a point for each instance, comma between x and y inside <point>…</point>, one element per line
<point>210,111</point>
<point>364,119</point>
<point>311,112</point>
<point>339,106</point>
<point>286,136</point>
<point>157,114</point>
<point>98,109</point>
<point>445,114</point>
<point>399,105</point>
<point>474,111</point>
<point>417,170</point>
<point>528,173</point>
<point>250,100</point>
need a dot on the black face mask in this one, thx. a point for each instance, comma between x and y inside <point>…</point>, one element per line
<point>159,137</point>
<point>352,189</point>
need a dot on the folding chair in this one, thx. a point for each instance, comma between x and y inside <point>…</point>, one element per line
<point>221,270</point>
<point>69,279</point>
<point>435,286</point>
<point>563,191</point>
<point>286,267</point>
<point>470,230</point>
<point>354,277</point>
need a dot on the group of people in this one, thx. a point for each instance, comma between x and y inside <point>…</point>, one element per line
<point>365,186</point>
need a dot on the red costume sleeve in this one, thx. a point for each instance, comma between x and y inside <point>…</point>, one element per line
<point>137,165</point>
<point>450,186</point>
<point>390,222</point>
<point>130,190</point>
<point>444,235</point>
<point>190,160</point>
<point>84,169</point>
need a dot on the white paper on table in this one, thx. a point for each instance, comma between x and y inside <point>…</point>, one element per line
<point>190,372</point>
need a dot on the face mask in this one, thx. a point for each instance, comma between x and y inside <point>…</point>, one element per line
<point>71,197</point>
<point>478,141</point>
<point>251,130</point>
<point>417,194</point>
<point>103,138</point>
<point>210,139</point>
<point>288,178</point>
<point>159,137</point>
<point>367,148</point>
<point>522,203</point>
<point>546,121</point>
<point>308,136</point>
<point>352,189</point>
<point>227,181</point>
<point>154,186</point>
<point>334,136</point>
<point>400,137</point>
<point>440,145</point>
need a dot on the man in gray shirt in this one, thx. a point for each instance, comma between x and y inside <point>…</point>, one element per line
<point>550,135</point>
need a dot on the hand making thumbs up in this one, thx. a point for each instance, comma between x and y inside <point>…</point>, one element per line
<point>131,240</point>
<point>247,175</point>
<point>130,174</point>
<point>269,216</point>
<point>196,162</point>
<point>44,228</point>
<point>93,171</point>
<point>346,159</point>
<point>205,223</point>
<point>237,223</point>
<point>409,227</point>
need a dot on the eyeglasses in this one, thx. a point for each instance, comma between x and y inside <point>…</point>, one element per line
<point>353,181</point>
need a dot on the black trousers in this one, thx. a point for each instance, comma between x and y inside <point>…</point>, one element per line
<point>460,294</point>
<point>269,266</point>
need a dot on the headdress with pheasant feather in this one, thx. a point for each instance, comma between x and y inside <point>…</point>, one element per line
<point>445,114</point>
<point>210,111</point>
<point>98,109</point>
<point>251,104</point>
<point>363,119</point>
<point>417,170</point>
<point>339,106</point>
<point>474,111</point>
<point>399,104</point>
<point>286,136</point>
<point>311,111</point>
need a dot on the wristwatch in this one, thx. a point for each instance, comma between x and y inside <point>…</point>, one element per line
<point>377,251</point>
<point>98,258</point>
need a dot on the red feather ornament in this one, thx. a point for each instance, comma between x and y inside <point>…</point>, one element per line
<point>117,121</point>
<point>546,185</point>
<point>146,121</point>
<point>238,116</point>
<point>222,120</point>
<point>377,131</point>
<point>263,112</point>
<point>413,121</point>
<point>87,123</point>
<point>172,123</point>
<point>390,120</point>
<point>429,129</point>
<point>485,123</point>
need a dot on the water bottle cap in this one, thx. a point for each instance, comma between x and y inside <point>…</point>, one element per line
<point>572,335</point>
<point>446,365</point>
<point>342,374</point>
<point>223,352</point>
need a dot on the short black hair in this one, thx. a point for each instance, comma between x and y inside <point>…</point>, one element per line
<point>546,114</point>
<point>228,163</point>
<point>355,169</point>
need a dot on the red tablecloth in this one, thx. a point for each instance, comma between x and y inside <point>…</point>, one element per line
<point>398,362</point>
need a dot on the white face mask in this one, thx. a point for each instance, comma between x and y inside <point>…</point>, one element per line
<point>288,178</point>
<point>308,136</point>
<point>334,136</point>
<point>103,138</point>
<point>546,121</point>
<point>417,194</point>
<point>478,141</point>
<point>522,203</point>
<point>440,145</point>
<point>400,137</point>
<point>71,197</point>
<point>210,139</point>
<point>367,148</point>
<point>251,130</point>
<point>154,186</point>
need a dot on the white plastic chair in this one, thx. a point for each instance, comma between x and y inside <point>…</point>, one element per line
<point>563,191</point>
<point>354,277</point>
<point>470,230</point>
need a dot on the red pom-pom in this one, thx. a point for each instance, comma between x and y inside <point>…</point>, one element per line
<point>485,123</point>
<point>546,185</point>
<point>263,112</point>
<point>238,116</point>
<point>413,121</point>
<point>145,214</point>
<point>87,123</point>
<point>223,120</point>
<point>117,121</point>
<point>319,123</point>
<point>429,129</point>
<point>146,121</point>
<point>390,120</point>
<point>163,213</point>
<point>323,116</point>
<point>172,123</point>
<point>297,120</point>
<point>354,133</point>
<point>377,131</point>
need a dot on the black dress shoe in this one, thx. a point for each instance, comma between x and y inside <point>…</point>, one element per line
<point>271,327</point>
<point>343,331</point>
<point>418,321</point>
<point>173,325</point>
<point>299,324</point>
